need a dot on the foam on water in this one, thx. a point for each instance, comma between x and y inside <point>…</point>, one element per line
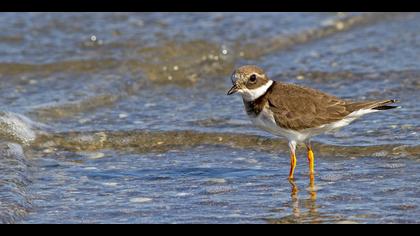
<point>16,128</point>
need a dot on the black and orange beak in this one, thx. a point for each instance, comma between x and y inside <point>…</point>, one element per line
<point>233,90</point>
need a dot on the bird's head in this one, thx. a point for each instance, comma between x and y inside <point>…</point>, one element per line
<point>250,81</point>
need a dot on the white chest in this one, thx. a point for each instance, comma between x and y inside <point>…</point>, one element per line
<point>265,121</point>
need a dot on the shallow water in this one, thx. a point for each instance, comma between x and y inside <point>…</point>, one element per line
<point>123,118</point>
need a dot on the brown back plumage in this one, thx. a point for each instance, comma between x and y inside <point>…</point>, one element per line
<point>295,107</point>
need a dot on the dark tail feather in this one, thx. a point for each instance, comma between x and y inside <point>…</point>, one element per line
<point>375,105</point>
<point>385,107</point>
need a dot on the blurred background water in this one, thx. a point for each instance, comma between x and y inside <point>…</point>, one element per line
<point>124,118</point>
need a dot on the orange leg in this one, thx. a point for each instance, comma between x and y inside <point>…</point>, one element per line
<point>311,160</point>
<point>292,146</point>
<point>292,165</point>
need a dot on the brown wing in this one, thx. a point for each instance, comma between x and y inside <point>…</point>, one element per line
<point>297,107</point>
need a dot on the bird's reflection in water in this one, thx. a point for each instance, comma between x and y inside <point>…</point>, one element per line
<point>312,199</point>
<point>303,210</point>
<point>295,199</point>
<point>310,203</point>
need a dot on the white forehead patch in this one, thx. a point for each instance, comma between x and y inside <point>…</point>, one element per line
<point>252,94</point>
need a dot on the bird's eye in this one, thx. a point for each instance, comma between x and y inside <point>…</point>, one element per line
<point>253,78</point>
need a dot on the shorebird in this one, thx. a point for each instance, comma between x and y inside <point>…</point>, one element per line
<point>295,112</point>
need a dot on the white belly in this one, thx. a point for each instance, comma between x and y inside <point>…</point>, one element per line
<point>265,120</point>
